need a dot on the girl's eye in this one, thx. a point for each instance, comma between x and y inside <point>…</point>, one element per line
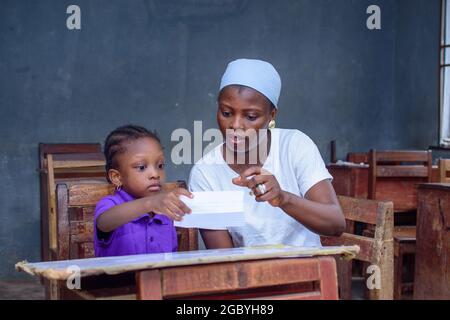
<point>251,118</point>
<point>226,114</point>
<point>161,166</point>
<point>141,168</point>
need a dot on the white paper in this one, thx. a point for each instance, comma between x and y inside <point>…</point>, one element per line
<point>214,210</point>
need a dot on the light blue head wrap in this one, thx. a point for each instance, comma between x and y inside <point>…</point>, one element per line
<point>256,74</point>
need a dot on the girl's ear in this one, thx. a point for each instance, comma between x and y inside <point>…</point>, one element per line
<point>114,177</point>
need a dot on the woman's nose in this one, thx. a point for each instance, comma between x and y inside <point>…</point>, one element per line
<point>236,123</point>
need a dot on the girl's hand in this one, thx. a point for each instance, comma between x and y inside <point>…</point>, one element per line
<point>168,203</point>
<point>258,179</point>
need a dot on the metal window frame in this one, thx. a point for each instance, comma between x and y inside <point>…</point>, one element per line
<point>442,65</point>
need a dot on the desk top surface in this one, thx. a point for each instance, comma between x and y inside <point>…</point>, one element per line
<point>444,186</point>
<point>61,270</point>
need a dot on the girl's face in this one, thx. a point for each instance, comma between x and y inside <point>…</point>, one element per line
<point>243,111</point>
<point>140,169</point>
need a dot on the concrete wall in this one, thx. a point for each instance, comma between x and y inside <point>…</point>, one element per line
<point>158,64</point>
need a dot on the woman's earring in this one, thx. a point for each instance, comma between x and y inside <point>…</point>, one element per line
<point>272,124</point>
<point>118,187</point>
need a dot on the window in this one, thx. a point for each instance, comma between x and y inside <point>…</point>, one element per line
<point>444,134</point>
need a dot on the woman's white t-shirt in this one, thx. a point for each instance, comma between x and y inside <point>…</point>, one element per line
<point>296,163</point>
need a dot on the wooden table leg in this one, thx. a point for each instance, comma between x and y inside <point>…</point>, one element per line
<point>328,278</point>
<point>148,284</point>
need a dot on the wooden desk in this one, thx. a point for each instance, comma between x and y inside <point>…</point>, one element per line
<point>353,181</point>
<point>259,272</point>
<point>432,267</point>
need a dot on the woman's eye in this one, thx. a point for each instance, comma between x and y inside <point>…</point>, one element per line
<point>226,114</point>
<point>252,118</point>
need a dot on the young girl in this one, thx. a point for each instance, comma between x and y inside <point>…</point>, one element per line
<point>137,219</point>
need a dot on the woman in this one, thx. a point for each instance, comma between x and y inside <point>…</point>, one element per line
<point>291,199</point>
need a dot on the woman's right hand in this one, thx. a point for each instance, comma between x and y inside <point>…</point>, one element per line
<point>168,203</point>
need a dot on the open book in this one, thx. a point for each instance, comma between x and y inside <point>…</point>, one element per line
<point>214,210</point>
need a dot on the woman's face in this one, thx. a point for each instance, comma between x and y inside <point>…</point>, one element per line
<point>241,113</point>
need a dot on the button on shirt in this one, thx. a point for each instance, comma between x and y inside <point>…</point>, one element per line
<point>142,235</point>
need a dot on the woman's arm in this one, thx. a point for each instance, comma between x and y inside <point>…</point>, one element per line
<point>319,211</point>
<point>216,239</point>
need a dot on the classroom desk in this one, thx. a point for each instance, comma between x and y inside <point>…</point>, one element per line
<point>432,268</point>
<point>275,272</point>
<point>353,180</point>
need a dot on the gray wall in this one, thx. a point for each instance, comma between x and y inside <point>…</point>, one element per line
<point>158,64</point>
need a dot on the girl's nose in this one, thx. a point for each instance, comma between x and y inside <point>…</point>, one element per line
<point>153,174</point>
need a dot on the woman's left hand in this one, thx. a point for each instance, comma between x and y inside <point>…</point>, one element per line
<point>258,179</point>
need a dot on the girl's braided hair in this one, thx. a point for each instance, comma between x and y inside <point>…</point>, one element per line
<point>114,143</point>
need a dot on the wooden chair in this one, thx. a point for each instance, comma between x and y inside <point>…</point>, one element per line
<point>75,213</point>
<point>444,170</point>
<point>376,251</point>
<point>403,166</point>
<point>58,163</point>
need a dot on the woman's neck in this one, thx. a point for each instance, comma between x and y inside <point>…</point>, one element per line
<point>231,158</point>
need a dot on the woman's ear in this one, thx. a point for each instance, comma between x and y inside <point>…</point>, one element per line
<point>273,113</point>
<point>114,177</point>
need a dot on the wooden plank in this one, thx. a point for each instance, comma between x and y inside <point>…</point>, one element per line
<point>226,277</point>
<point>81,231</point>
<point>402,155</point>
<point>85,156</point>
<point>432,263</point>
<point>358,157</point>
<point>441,186</point>
<point>365,244</point>
<point>361,210</point>
<point>88,194</point>
<point>63,231</point>
<point>52,206</point>
<point>444,170</point>
<point>271,292</point>
<point>314,295</point>
<point>79,164</point>
<point>402,171</point>
<point>401,191</point>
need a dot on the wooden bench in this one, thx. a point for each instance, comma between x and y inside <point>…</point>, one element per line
<point>59,162</point>
<point>400,165</point>
<point>377,250</point>
<point>432,268</point>
<point>444,170</point>
<point>75,215</point>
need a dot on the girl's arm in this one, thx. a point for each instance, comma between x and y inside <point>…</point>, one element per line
<point>319,211</point>
<point>167,203</point>
<point>121,214</point>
